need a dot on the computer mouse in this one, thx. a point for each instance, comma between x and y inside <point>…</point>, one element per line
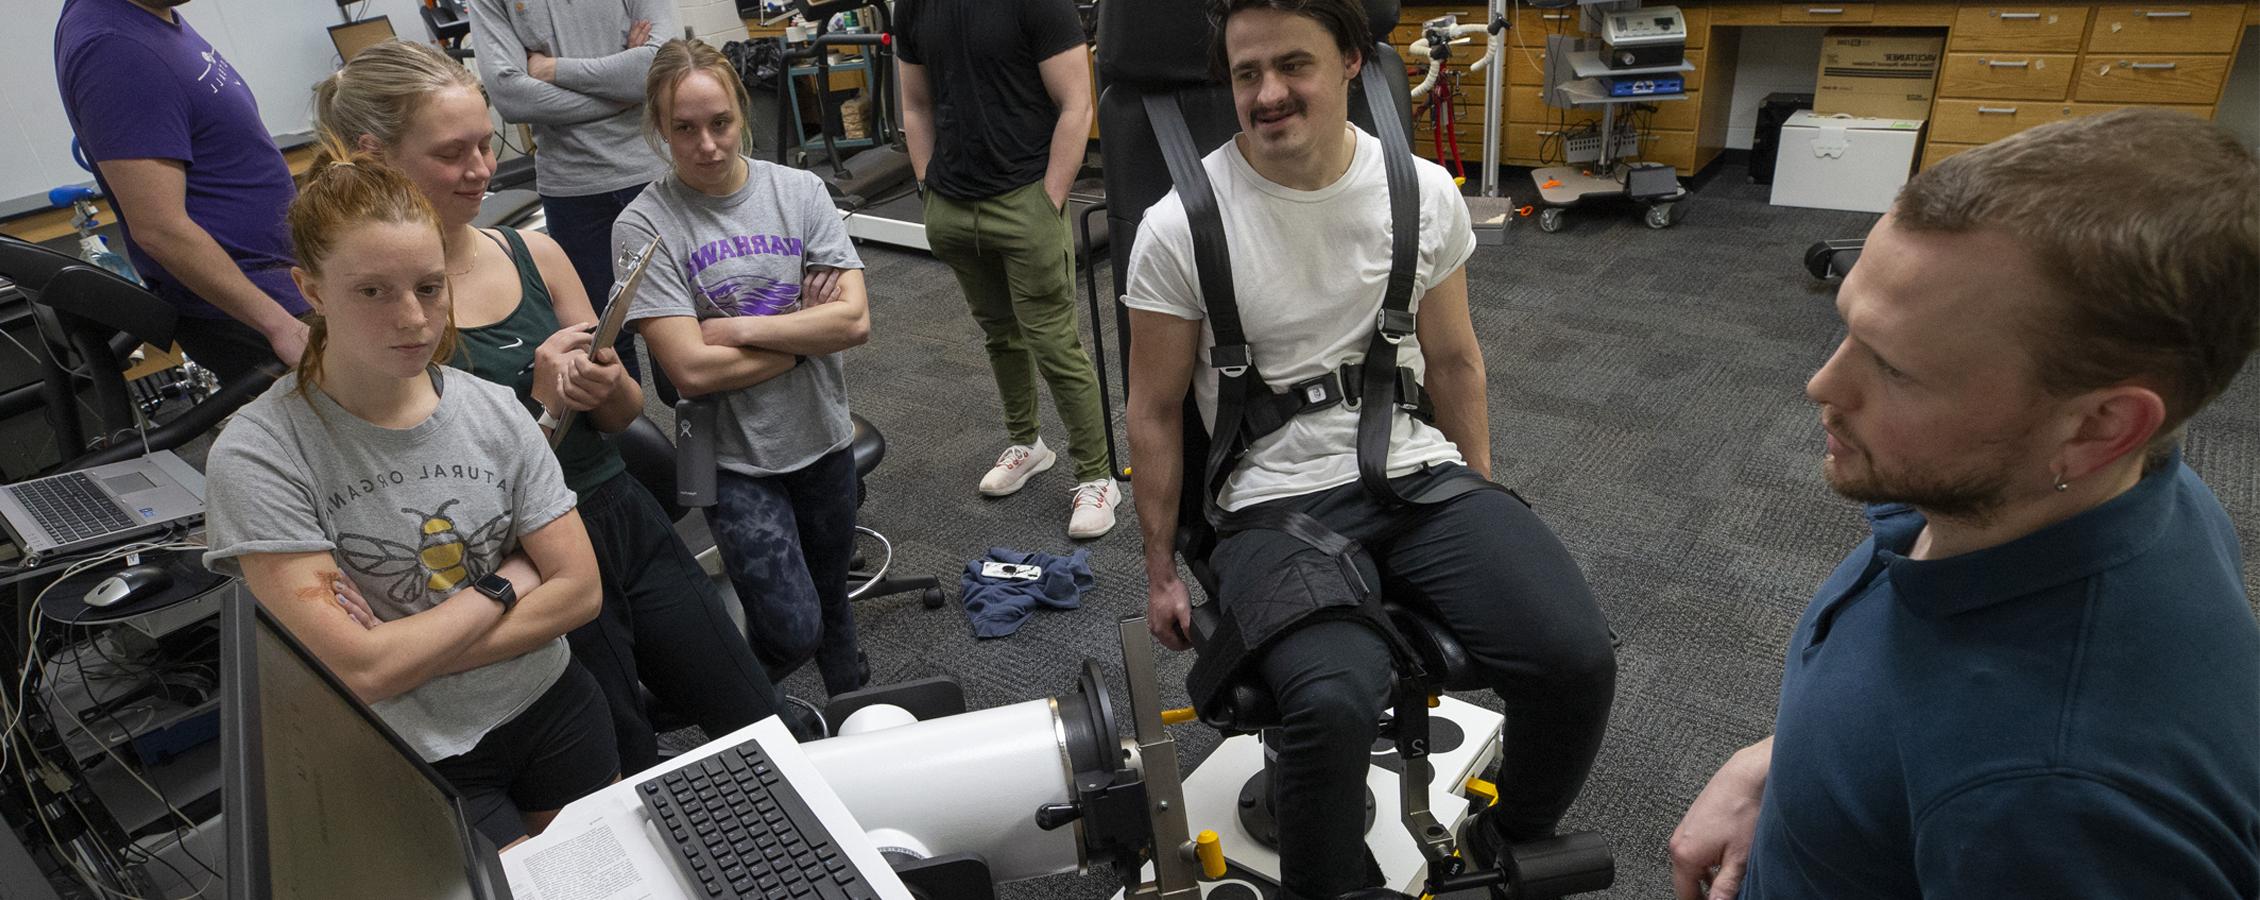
<point>130,584</point>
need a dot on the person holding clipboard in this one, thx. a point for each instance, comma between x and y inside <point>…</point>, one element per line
<point>527,323</point>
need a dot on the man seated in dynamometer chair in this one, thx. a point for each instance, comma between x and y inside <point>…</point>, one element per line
<point>1306,212</point>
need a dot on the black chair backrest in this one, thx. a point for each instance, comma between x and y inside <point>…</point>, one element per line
<point>650,458</point>
<point>84,291</point>
<point>1163,47</point>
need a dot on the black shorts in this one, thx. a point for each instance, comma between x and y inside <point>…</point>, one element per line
<point>558,750</point>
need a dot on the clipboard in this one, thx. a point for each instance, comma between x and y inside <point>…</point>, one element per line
<point>615,316</point>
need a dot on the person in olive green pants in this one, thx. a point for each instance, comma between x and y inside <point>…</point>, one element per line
<point>997,112</point>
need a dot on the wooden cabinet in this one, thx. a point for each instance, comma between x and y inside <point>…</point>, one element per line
<point>2007,67</point>
<point>2021,29</point>
<point>2008,76</point>
<point>1852,13</point>
<point>2154,78</point>
<point>2152,28</point>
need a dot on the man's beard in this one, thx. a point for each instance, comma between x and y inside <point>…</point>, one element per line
<point>1970,497</point>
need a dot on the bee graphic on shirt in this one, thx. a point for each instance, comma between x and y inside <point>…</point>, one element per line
<point>439,561</point>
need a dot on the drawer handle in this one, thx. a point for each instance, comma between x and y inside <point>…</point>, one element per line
<point>1997,110</point>
<point>2149,65</point>
<point>2167,14</point>
<point>2009,64</point>
<point>1553,17</point>
<point>1824,10</point>
<point>2007,16</point>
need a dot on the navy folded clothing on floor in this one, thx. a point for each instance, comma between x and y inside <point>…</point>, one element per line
<point>997,607</point>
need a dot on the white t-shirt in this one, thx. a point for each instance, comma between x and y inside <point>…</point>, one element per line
<point>1309,270</point>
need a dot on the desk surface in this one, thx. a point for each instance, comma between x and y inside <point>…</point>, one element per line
<point>602,846</point>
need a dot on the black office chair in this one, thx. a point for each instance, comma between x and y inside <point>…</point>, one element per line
<point>89,322</point>
<point>1158,48</point>
<point>1832,260</point>
<point>650,458</point>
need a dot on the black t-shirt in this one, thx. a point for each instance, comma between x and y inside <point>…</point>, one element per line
<point>992,118</point>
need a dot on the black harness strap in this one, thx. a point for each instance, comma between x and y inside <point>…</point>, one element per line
<point>1377,411</point>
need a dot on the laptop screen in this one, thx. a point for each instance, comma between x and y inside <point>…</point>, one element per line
<point>353,37</point>
<point>332,804</point>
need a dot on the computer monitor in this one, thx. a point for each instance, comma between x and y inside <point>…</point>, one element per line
<point>353,37</point>
<point>322,799</point>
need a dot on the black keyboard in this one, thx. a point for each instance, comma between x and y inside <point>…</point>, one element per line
<point>71,507</point>
<point>740,830</point>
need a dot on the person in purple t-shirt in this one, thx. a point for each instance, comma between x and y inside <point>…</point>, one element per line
<point>199,186</point>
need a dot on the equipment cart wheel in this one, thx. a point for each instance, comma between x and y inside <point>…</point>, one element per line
<point>1662,215</point>
<point>931,597</point>
<point>1550,219</point>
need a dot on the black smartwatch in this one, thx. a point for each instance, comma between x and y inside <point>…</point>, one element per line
<point>494,585</point>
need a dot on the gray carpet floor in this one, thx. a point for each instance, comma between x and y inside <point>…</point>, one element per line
<point>1646,394</point>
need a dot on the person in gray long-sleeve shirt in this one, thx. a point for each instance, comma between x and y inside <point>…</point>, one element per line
<point>574,70</point>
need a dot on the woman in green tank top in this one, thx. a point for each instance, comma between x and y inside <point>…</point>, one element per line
<point>663,625</point>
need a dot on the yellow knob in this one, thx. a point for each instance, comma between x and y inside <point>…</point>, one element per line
<point>1435,700</point>
<point>1178,716</point>
<point>1211,852</point>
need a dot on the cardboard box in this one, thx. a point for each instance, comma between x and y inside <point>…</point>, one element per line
<point>1855,164</point>
<point>1882,74</point>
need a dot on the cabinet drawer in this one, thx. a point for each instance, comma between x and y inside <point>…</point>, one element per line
<point>1983,121</point>
<point>2020,29</point>
<point>2090,109</point>
<point>1744,13</point>
<point>1859,11</point>
<point>1935,151</point>
<point>2008,76</point>
<point>1526,65</point>
<point>1535,24</point>
<point>1525,103</point>
<point>1923,13</point>
<point>2151,79</point>
<point>1673,148</point>
<point>2151,28</point>
<point>1675,115</point>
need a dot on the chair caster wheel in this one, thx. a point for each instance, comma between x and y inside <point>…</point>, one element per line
<point>1663,215</point>
<point>932,597</point>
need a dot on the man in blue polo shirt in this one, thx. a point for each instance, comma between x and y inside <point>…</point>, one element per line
<point>2040,677</point>
<point>198,185</point>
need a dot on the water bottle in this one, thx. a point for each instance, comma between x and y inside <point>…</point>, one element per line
<point>694,451</point>
<point>91,245</point>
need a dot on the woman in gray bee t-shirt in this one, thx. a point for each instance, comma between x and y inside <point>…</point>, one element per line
<point>407,522</point>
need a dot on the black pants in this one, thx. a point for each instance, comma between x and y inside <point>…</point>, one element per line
<point>662,627</point>
<point>582,227</point>
<point>1488,569</point>
<point>230,349</point>
<point>554,752</point>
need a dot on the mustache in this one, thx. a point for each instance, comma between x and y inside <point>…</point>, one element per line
<point>1283,109</point>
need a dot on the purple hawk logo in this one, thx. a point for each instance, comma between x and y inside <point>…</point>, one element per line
<point>753,295</point>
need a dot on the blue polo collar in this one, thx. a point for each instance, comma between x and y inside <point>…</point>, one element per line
<point>2079,547</point>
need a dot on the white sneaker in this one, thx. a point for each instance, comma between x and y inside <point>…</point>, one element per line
<point>1093,513</point>
<point>1015,466</point>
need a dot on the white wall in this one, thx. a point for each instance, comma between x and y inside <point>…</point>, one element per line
<point>713,21</point>
<point>1773,60</point>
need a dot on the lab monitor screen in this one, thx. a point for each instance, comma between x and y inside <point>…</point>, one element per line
<point>322,800</point>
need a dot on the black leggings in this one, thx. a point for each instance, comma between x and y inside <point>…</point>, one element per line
<point>662,627</point>
<point>1490,571</point>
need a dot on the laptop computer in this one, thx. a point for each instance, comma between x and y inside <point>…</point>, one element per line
<point>99,506</point>
<point>353,37</point>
